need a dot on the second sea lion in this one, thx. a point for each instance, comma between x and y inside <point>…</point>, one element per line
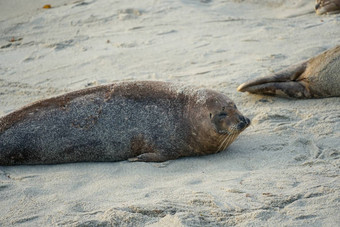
<point>327,6</point>
<point>318,77</point>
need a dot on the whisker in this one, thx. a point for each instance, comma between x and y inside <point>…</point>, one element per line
<point>233,138</point>
<point>221,144</point>
<point>228,142</point>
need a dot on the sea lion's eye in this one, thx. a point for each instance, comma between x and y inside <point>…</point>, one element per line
<point>235,106</point>
<point>223,115</point>
<point>210,115</point>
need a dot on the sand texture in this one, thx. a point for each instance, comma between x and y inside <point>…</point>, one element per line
<point>281,171</point>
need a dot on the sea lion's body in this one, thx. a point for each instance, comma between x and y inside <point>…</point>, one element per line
<point>140,121</point>
<point>318,77</point>
<point>327,6</point>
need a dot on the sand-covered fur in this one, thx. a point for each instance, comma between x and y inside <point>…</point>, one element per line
<point>140,121</point>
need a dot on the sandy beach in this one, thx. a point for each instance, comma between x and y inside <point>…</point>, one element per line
<point>281,171</point>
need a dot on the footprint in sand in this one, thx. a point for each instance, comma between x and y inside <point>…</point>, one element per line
<point>130,13</point>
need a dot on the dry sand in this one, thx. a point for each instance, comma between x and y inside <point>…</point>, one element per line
<point>282,171</point>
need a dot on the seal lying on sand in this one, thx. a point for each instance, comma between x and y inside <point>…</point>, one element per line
<point>327,6</point>
<point>318,77</point>
<point>139,121</point>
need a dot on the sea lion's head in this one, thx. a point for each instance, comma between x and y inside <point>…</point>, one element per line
<point>229,120</point>
<point>225,117</point>
<point>220,121</point>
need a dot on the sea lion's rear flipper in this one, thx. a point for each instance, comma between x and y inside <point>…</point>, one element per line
<point>291,89</point>
<point>284,83</point>
<point>149,157</point>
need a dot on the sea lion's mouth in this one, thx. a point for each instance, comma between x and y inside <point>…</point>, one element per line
<point>245,122</point>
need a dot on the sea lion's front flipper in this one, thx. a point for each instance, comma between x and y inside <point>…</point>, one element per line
<point>284,83</point>
<point>149,157</point>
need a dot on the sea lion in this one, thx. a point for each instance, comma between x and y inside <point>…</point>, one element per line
<point>138,121</point>
<point>327,6</point>
<point>318,77</point>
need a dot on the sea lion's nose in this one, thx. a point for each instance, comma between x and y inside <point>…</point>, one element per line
<point>241,125</point>
<point>244,122</point>
<point>244,119</point>
<point>247,121</point>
